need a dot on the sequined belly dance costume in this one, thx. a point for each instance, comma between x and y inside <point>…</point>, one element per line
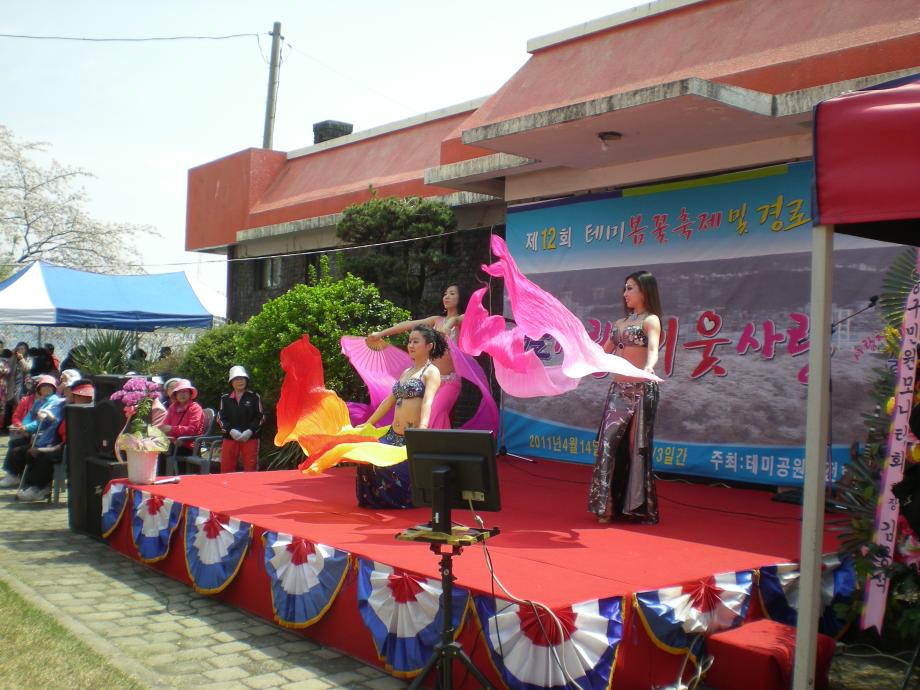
<point>622,485</point>
<point>389,487</point>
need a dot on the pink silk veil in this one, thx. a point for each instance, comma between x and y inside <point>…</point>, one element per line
<point>536,313</point>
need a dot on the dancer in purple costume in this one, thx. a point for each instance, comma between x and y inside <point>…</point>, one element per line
<point>622,485</point>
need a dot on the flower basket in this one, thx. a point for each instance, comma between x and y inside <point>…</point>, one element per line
<point>142,466</point>
<point>141,441</point>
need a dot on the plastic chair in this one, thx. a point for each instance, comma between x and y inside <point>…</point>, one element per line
<point>203,447</point>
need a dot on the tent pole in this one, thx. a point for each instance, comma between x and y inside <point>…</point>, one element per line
<point>817,424</point>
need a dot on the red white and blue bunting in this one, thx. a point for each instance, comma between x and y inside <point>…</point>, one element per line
<point>214,548</point>
<point>403,613</point>
<point>152,525</point>
<point>305,577</point>
<point>114,500</point>
<point>779,592</point>
<point>530,652</point>
<point>676,617</point>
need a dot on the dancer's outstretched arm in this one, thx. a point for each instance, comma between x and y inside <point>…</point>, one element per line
<point>382,409</point>
<point>402,327</point>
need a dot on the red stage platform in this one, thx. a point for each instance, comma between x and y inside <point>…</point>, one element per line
<point>550,550</point>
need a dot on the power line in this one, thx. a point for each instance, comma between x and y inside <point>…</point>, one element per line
<point>350,78</point>
<point>311,252</point>
<point>142,39</point>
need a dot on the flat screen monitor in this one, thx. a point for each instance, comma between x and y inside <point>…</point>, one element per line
<point>469,460</point>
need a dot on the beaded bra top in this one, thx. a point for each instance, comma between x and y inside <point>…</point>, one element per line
<point>413,387</point>
<point>632,334</point>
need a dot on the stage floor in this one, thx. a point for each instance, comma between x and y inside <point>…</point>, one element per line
<point>550,548</point>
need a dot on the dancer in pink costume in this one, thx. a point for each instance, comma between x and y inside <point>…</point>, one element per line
<point>379,364</point>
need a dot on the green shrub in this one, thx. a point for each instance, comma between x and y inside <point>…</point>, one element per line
<point>207,362</point>
<point>325,309</point>
<point>105,352</point>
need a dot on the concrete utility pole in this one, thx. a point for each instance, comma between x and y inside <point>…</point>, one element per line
<point>272,87</point>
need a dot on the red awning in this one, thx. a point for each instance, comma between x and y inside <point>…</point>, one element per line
<point>867,156</point>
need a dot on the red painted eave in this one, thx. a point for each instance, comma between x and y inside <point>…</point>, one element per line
<point>772,47</point>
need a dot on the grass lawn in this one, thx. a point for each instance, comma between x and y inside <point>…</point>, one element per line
<point>40,653</point>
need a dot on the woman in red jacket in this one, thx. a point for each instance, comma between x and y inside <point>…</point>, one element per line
<point>184,416</point>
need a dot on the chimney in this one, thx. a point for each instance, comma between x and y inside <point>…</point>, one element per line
<point>330,129</point>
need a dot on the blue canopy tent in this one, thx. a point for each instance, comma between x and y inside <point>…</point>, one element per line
<point>45,295</point>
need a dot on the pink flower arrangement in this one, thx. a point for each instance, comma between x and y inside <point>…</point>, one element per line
<point>137,395</point>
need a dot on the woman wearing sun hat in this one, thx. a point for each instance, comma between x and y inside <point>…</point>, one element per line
<point>240,417</point>
<point>185,417</point>
<point>40,423</point>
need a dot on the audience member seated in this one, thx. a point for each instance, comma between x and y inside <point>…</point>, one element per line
<point>41,459</point>
<point>41,424</point>
<point>19,437</point>
<point>185,417</point>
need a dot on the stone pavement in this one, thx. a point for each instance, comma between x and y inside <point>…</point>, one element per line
<point>155,629</point>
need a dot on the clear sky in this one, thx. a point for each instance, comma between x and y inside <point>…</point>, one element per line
<point>139,115</point>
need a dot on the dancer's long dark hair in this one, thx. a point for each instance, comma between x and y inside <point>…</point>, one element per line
<point>434,338</point>
<point>648,286</point>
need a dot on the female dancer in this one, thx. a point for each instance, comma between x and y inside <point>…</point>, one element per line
<point>413,394</point>
<point>448,324</point>
<point>378,364</point>
<point>622,485</point>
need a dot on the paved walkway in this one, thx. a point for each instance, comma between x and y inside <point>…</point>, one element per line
<point>150,626</point>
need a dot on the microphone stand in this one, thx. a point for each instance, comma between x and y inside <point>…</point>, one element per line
<point>794,495</point>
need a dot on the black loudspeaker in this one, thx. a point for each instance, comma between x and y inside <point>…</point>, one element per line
<point>907,491</point>
<point>106,384</point>
<point>91,432</point>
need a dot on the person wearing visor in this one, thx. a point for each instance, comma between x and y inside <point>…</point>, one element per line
<point>240,417</point>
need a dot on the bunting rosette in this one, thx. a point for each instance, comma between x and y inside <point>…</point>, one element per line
<point>403,613</point>
<point>114,500</point>
<point>305,577</point>
<point>214,548</point>
<point>677,617</point>
<point>778,586</point>
<point>152,525</point>
<point>531,650</point>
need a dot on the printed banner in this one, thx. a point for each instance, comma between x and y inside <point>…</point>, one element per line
<point>731,255</point>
